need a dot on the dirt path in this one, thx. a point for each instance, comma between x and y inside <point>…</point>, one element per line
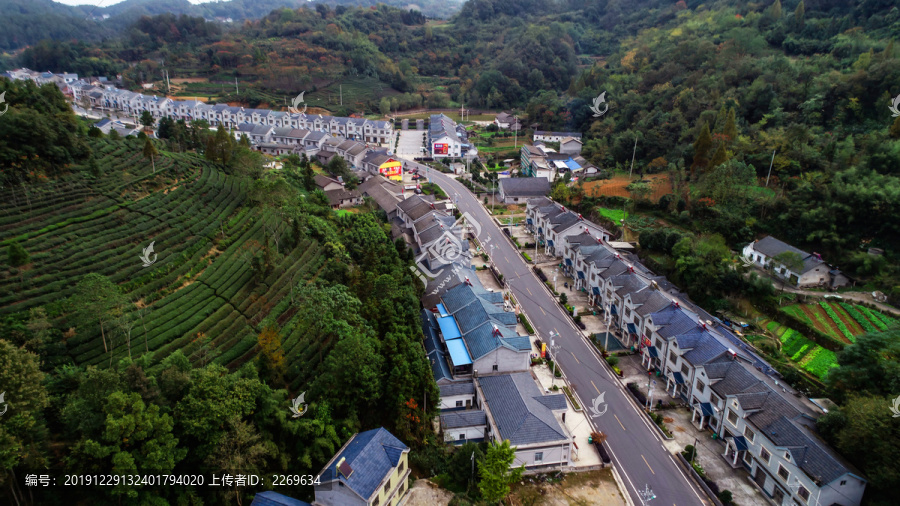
<point>811,312</point>
<point>845,296</point>
<point>593,488</point>
<point>426,493</point>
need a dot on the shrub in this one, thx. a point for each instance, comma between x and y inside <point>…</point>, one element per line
<point>525,255</point>
<point>563,299</point>
<point>612,360</point>
<point>525,323</point>
<point>688,452</point>
<point>726,497</point>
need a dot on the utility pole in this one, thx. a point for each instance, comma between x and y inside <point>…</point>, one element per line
<point>694,453</point>
<point>770,167</point>
<point>515,131</point>
<point>634,152</point>
<point>237,90</point>
<point>168,86</point>
<point>341,89</point>
<point>554,348</point>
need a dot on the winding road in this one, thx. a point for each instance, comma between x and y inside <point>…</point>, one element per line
<point>636,447</point>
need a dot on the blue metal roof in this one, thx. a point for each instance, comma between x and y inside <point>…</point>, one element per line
<point>595,290</point>
<point>580,275</point>
<point>706,409</point>
<point>528,221</point>
<point>568,261</point>
<point>540,230</point>
<point>679,379</point>
<point>631,328</point>
<point>442,310</point>
<point>572,164</point>
<point>458,353</point>
<point>521,413</point>
<point>612,309</point>
<point>550,243</point>
<point>449,328</point>
<point>653,352</point>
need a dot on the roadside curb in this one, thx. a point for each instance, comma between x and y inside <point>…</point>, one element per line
<point>621,485</point>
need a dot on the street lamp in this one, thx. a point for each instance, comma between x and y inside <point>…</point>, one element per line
<point>555,286</point>
<point>608,317</point>
<point>650,386</point>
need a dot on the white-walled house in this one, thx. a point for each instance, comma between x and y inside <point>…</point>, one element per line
<point>813,272</point>
<point>771,434</point>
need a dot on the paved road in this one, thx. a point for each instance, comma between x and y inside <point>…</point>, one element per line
<point>637,449</point>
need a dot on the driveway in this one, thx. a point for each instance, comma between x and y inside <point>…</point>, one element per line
<point>637,448</point>
<point>410,144</point>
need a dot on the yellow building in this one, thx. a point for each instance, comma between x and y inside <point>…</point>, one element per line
<point>371,469</point>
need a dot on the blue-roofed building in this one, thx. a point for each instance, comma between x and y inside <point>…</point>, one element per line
<point>270,498</point>
<point>532,422</point>
<point>371,469</point>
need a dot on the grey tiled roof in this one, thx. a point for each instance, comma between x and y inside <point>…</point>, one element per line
<point>457,419</point>
<point>672,321</point>
<point>460,388</point>
<point>525,186</point>
<point>771,247</point>
<point>512,400</point>
<point>372,455</point>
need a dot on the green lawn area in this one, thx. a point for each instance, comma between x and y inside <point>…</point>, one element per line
<point>342,212</point>
<point>616,215</point>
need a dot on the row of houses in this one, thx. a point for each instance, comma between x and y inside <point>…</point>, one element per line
<point>768,429</point>
<point>128,103</point>
<point>480,362</point>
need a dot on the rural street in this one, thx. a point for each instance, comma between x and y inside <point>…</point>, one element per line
<point>636,447</point>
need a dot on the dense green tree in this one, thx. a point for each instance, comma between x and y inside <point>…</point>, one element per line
<point>701,148</point>
<point>136,439</point>
<point>870,366</point>
<point>147,119</point>
<point>16,255</point>
<point>495,474</point>
<point>21,425</point>
<point>865,431</point>
<point>150,152</point>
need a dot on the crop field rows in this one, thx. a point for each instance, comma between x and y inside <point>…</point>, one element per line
<point>808,355</point>
<point>202,285</point>
<point>840,320</point>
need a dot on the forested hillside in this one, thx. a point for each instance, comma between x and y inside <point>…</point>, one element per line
<point>169,297</point>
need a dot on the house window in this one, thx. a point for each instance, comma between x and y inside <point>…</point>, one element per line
<point>732,417</point>
<point>843,482</point>
<point>684,369</point>
<point>461,437</point>
<point>401,466</point>
<point>459,404</point>
<point>496,367</point>
<point>749,434</point>
<point>714,399</point>
<point>672,357</point>
<point>803,493</point>
<point>387,486</point>
<point>539,456</point>
<point>376,502</point>
<point>748,458</point>
<point>700,387</point>
<point>659,344</point>
<point>783,473</point>
<point>764,455</point>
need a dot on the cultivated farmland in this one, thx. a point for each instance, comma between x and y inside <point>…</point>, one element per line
<point>206,279</point>
<point>840,320</point>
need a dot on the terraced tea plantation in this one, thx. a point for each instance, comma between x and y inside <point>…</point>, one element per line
<point>201,295</point>
<point>841,320</point>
